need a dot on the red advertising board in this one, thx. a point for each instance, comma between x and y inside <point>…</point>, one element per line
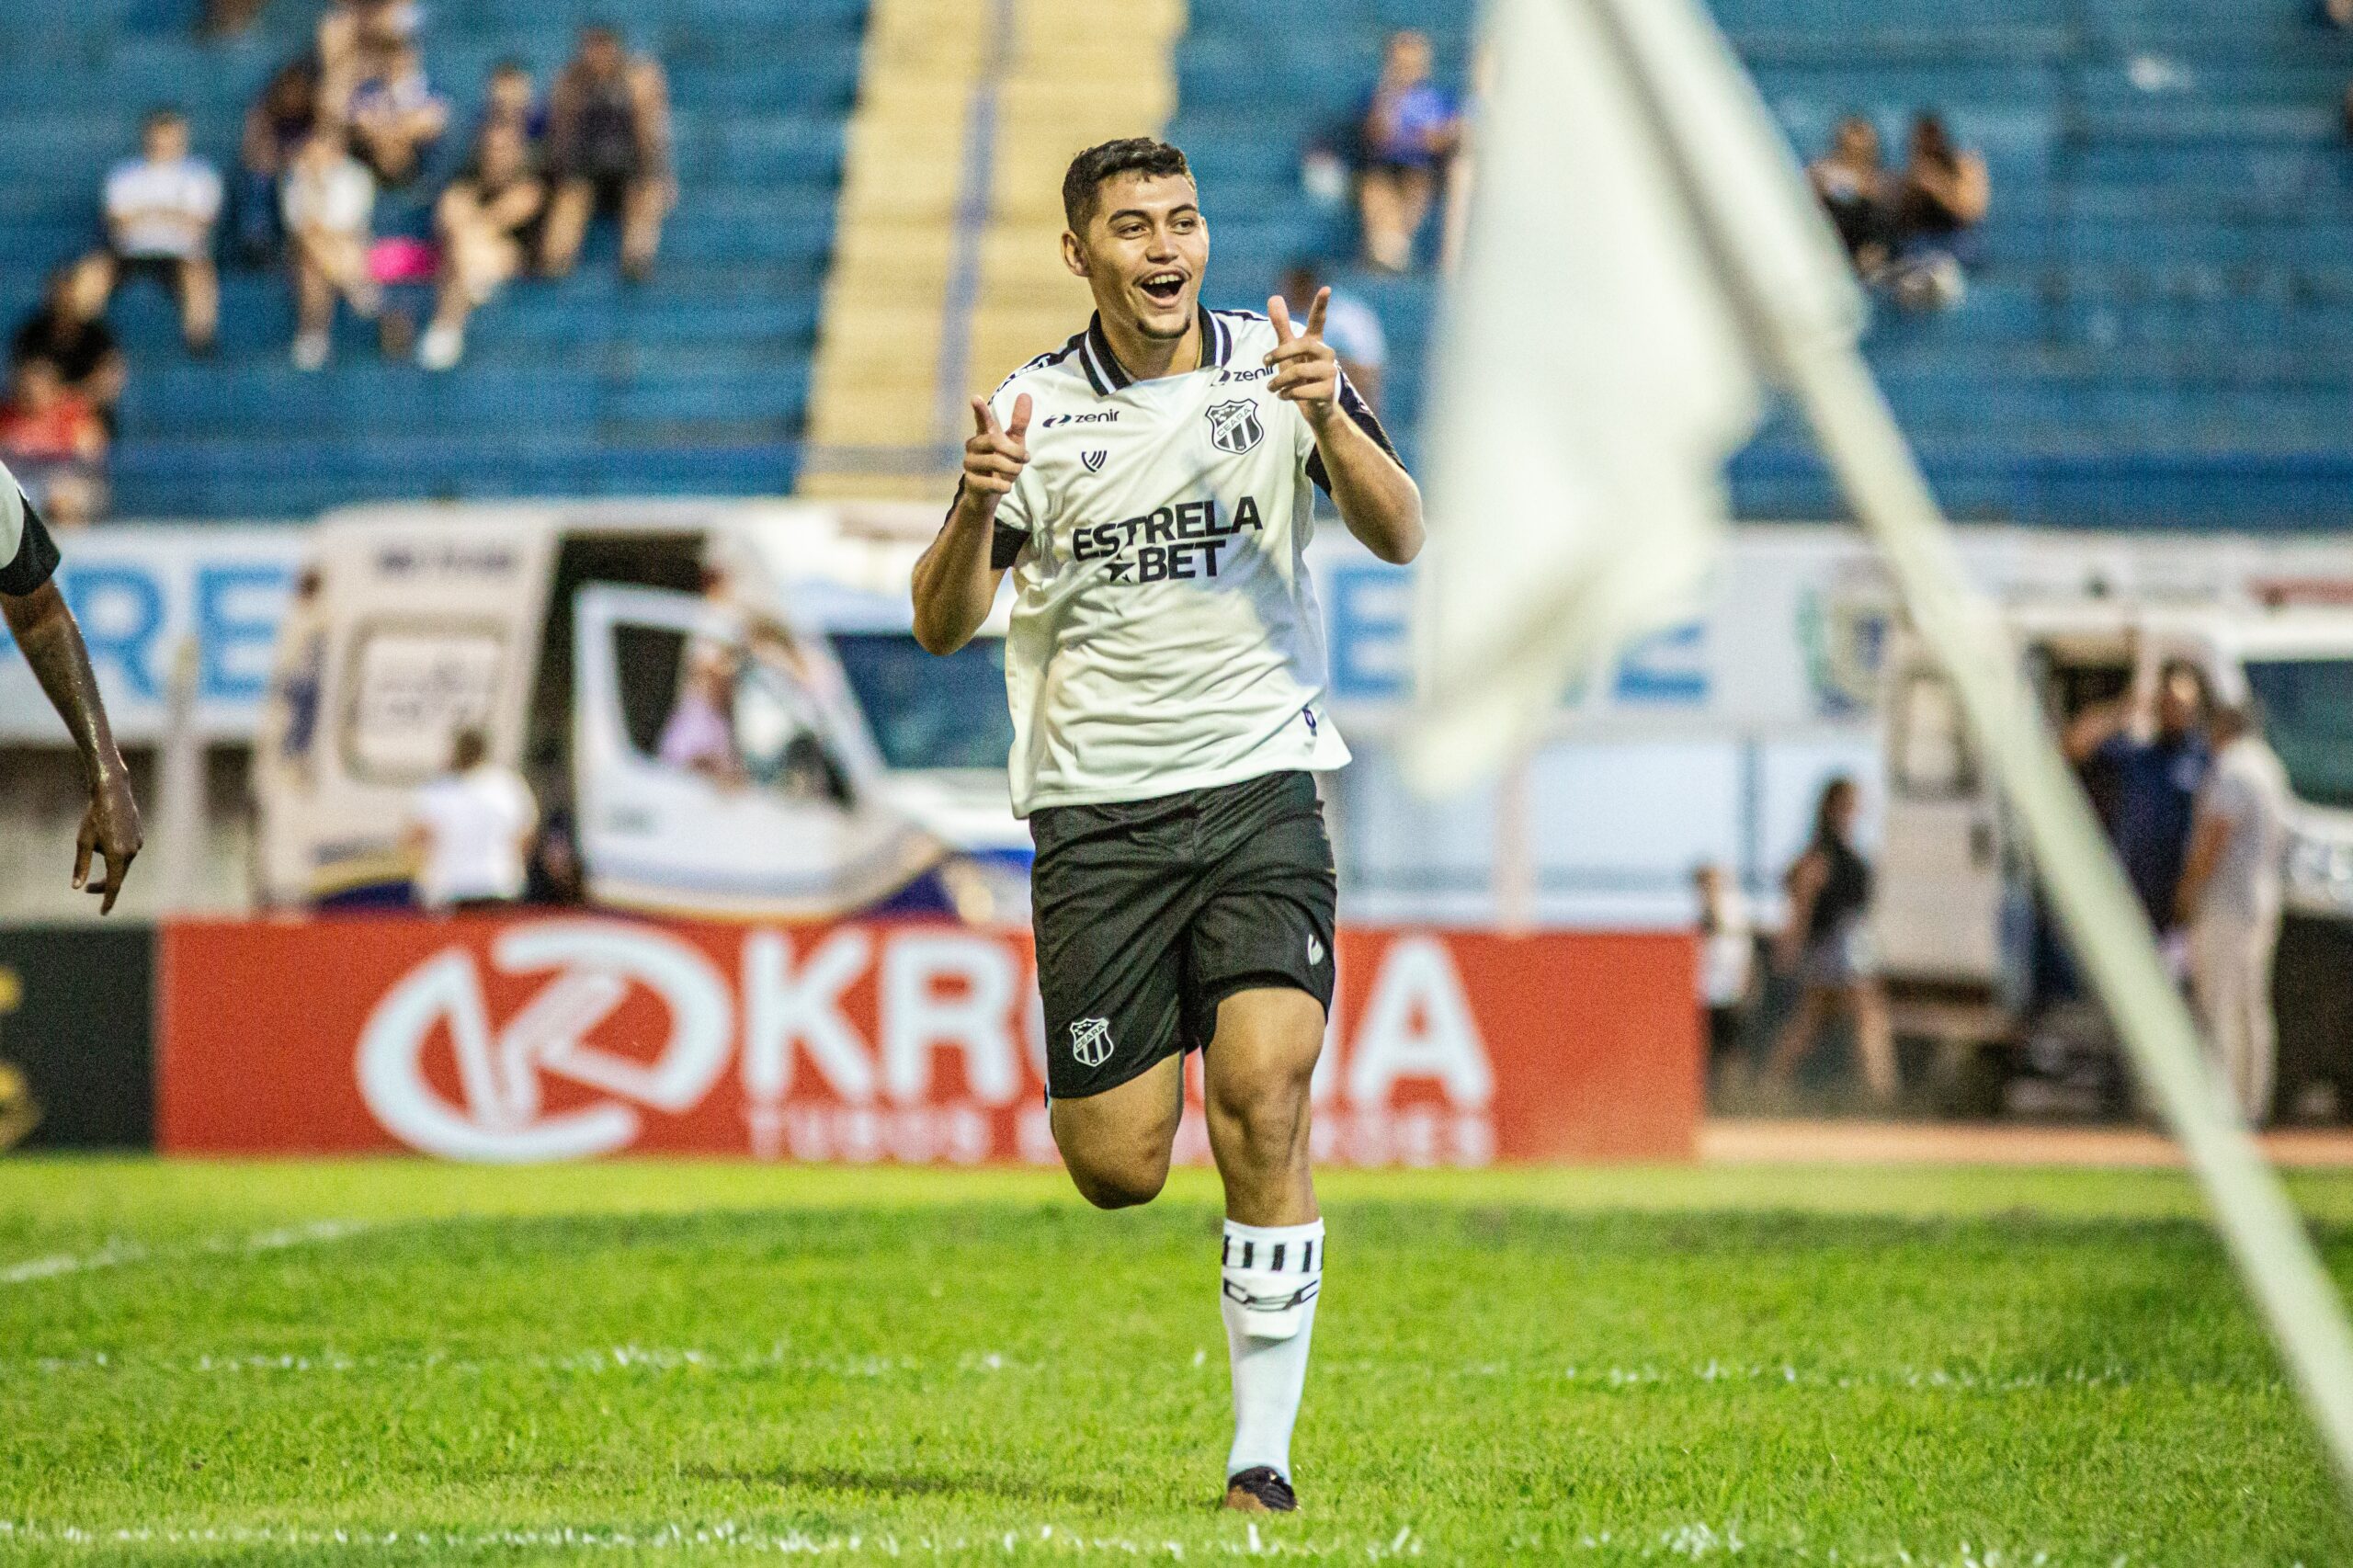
<point>538,1037</point>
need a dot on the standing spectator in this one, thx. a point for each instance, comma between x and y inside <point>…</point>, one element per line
<point>55,441</point>
<point>2230,903</point>
<point>1727,960</point>
<point>608,150</point>
<point>328,203</point>
<point>1411,129</point>
<point>276,125</point>
<point>1349,326</point>
<point>1943,194</point>
<point>700,735</point>
<point>472,831</point>
<point>486,219</point>
<point>396,117</point>
<point>1850,181</point>
<point>2145,777</point>
<point>513,101</point>
<point>160,209</point>
<point>1825,945</point>
<point>71,333</point>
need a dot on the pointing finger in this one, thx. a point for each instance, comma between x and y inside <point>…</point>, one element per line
<point>1020,425</point>
<point>1316,312</point>
<point>983,419</point>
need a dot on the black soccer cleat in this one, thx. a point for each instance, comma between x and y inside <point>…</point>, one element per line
<point>1260,1490</point>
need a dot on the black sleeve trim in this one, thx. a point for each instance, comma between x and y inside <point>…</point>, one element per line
<point>1004,546</point>
<point>1360,412</point>
<point>35,560</point>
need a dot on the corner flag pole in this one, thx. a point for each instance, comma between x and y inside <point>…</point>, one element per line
<point>1858,435</point>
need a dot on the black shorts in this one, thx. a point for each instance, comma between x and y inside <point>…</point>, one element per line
<point>1150,913</point>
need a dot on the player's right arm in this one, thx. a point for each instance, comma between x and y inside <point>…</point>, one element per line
<point>956,581</point>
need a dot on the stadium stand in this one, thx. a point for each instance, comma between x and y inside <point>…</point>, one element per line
<point>2157,335</point>
<point>695,383</point>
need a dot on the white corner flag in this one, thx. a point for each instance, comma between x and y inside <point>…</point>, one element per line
<point>1643,258</point>
<point>1595,375</point>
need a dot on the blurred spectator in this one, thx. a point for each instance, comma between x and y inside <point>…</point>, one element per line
<point>396,117</point>
<point>160,209</point>
<point>277,124</point>
<point>2145,779</point>
<point>2230,903</point>
<point>513,101</point>
<point>52,437</point>
<point>356,40</point>
<point>608,150</point>
<point>328,202</point>
<point>1825,945</point>
<point>471,830</point>
<point>1851,182</point>
<point>71,333</point>
<point>1944,193</point>
<point>487,219</point>
<point>1727,960</point>
<point>1411,129</point>
<point>226,18</point>
<point>700,735</point>
<point>1349,326</point>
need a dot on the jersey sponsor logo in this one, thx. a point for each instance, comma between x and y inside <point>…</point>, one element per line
<point>1094,457</point>
<point>1309,714</point>
<point>1315,949</point>
<point>1108,416</point>
<point>1258,374</point>
<point>1090,1041</point>
<point>1181,544</point>
<point>1234,427</point>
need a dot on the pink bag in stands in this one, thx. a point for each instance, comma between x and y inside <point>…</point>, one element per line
<point>404,261</point>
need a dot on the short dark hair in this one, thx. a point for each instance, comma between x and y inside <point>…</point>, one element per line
<point>161,116</point>
<point>1129,155</point>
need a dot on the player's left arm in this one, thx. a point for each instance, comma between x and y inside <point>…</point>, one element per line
<point>51,643</point>
<point>1377,498</point>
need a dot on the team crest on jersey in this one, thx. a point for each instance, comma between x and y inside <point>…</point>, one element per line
<point>1094,457</point>
<point>1090,1041</point>
<point>1234,427</point>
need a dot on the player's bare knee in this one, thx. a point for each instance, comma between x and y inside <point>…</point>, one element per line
<point>1120,1184</point>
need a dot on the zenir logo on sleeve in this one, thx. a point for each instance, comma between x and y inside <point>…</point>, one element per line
<point>1234,427</point>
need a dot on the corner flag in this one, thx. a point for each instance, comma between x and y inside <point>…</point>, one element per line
<point>1641,260</point>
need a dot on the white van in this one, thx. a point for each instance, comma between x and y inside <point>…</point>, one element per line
<point>1954,919</point>
<point>721,705</point>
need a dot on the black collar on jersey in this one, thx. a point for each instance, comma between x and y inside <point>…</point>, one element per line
<point>1107,375</point>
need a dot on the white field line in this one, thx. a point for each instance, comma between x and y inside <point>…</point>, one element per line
<point>779,1357</point>
<point>114,1254</point>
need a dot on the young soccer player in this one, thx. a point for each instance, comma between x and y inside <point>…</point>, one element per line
<point>1149,485</point>
<point>50,640</point>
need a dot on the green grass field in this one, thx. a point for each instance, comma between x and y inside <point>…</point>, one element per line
<point>394,1363</point>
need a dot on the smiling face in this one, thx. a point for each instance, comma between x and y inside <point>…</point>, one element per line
<point>1142,252</point>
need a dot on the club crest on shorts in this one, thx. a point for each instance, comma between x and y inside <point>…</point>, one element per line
<point>1090,1041</point>
<point>1234,427</point>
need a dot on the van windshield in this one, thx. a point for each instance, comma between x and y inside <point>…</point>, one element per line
<point>2308,716</point>
<point>926,711</point>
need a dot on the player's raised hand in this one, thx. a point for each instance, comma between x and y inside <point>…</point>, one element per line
<point>996,454</point>
<point>1306,370</point>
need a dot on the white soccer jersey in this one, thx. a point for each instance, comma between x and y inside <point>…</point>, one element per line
<point>1166,636</point>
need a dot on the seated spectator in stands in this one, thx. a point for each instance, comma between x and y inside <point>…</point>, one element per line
<point>52,437</point>
<point>160,209</point>
<point>1411,128</point>
<point>227,19</point>
<point>276,125</point>
<point>1851,182</point>
<point>487,219</point>
<point>1349,326</point>
<point>1943,193</point>
<point>396,117</point>
<point>328,202</point>
<point>608,150</point>
<point>357,39</point>
<point>513,101</point>
<point>71,333</point>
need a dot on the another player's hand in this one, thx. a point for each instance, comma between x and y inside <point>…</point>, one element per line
<point>1306,370</point>
<point>109,831</point>
<point>996,454</point>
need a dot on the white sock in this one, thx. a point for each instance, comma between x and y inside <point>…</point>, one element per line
<point>1271,1279</point>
